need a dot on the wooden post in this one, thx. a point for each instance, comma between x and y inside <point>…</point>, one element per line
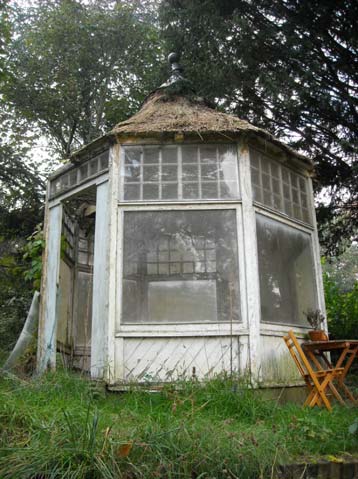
<point>317,255</point>
<point>251,263</point>
<point>46,352</point>
<point>99,352</point>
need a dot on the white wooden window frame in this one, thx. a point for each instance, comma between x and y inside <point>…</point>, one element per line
<point>292,203</point>
<point>179,180</point>
<point>79,175</point>
<point>184,328</point>
<point>259,210</point>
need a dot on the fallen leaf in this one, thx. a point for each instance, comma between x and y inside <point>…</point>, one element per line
<point>125,449</point>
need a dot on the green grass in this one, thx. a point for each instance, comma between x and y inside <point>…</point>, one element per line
<point>61,426</point>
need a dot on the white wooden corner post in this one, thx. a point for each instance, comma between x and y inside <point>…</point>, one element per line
<point>99,353</point>
<point>104,273</point>
<point>115,360</point>
<point>46,353</point>
<point>317,256</point>
<point>251,262</point>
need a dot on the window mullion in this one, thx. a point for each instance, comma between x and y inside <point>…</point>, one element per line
<point>218,182</point>
<point>141,177</point>
<point>180,172</point>
<point>199,172</point>
<point>160,174</point>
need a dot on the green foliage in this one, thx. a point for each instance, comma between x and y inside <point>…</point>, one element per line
<point>54,427</point>
<point>33,250</point>
<point>342,310</point>
<point>341,293</point>
<point>77,64</point>
<point>21,192</point>
<point>4,36</point>
<point>287,66</point>
<point>15,294</point>
<point>353,428</point>
<point>343,269</point>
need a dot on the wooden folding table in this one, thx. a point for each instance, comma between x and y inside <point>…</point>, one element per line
<point>347,350</point>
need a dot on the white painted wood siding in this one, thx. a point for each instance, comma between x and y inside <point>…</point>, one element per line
<point>169,359</point>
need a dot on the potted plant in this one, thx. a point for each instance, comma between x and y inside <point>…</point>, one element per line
<point>316,319</point>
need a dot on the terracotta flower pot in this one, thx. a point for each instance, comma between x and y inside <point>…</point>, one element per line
<point>317,335</point>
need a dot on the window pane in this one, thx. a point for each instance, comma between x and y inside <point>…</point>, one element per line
<point>178,300</point>
<point>190,168</point>
<point>80,173</point>
<point>84,171</point>
<point>190,154</point>
<point>190,191</point>
<point>209,172</point>
<point>287,284</point>
<point>150,173</point>
<point>169,191</point>
<point>132,192</point>
<point>132,173</point>
<point>180,266</point>
<point>277,187</point>
<point>207,155</point>
<point>93,166</point>
<point>169,155</point>
<point>150,155</point>
<point>190,172</point>
<point>209,190</point>
<point>150,191</point>
<point>169,173</point>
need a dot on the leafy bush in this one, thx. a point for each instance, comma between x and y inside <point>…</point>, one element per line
<point>342,309</point>
<point>15,293</point>
<point>33,255</point>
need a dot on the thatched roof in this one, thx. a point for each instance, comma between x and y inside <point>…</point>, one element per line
<point>175,113</point>
<point>164,113</point>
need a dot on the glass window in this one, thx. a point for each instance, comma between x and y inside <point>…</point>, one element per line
<point>180,266</point>
<point>278,187</point>
<point>287,283</point>
<point>80,173</point>
<point>179,173</point>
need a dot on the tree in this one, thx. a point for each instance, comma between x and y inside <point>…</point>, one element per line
<point>4,36</point>
<point>21,197</point>
<point>343,270</point>
<point>76,66</point>
<point>340,278</point>
<point>289,67</point>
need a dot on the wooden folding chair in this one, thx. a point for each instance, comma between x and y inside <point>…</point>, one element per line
<point>317,382</point>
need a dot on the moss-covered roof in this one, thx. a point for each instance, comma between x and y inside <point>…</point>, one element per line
<point>167,112</point>
<point>175,113</point>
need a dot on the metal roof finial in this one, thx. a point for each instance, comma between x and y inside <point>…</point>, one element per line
<point>176,81</point>
<point>176,68</point>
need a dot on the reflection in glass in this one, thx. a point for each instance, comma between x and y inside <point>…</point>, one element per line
<point>287,285</point>
<point>176,173</point>
<point>180,266</point>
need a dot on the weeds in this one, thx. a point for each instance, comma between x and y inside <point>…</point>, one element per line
<point>56,427</point>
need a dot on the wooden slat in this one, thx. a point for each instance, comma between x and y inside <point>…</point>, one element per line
<point>163,359</point>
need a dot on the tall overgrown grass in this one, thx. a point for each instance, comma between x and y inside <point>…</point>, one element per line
<point>61,426</point>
